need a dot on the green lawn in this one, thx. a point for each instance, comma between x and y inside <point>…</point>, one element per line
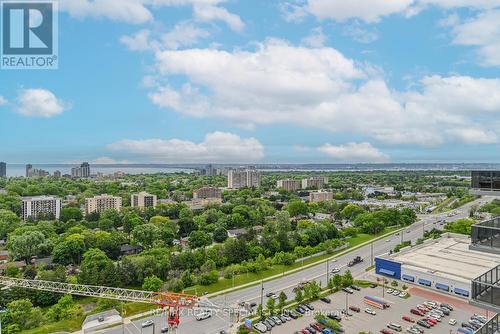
<point>60,326</point>
<point>224,284</point>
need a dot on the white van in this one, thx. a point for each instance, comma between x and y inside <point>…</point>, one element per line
<point>394,326</point>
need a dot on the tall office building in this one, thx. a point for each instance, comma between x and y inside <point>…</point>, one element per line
<point>102,203</point>
<point>3,169</point>
<point>207,192</point>
<point>314,182</point>
<point>34,172</point>
<point>143,200</point>
<point>289,185</point>
<point>83,171</point>
<point>29,170</point>
<point>48,206</point>
<point>242,178</point>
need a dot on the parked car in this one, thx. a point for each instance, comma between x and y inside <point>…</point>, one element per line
<point>165,330</point>
<point>348,290</point>
<point>260,327</point>
<point>448,306</point>
<point>452,322</point>
<point>416,312</point>
<point>300,310</point>
<point>407,318</point>
<point>395,326</point>
<point>325,300</point>
<point>386,331</point>
<point>423,323</point>
<point>370,311</point>
<point>355,287</point>
<point>354,308</point>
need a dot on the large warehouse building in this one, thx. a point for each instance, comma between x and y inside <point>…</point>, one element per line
<point>446,264</point>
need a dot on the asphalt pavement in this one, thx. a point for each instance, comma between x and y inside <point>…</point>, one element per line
<point>218,322</point>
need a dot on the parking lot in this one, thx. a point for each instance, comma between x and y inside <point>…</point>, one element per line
<point>399,307</point>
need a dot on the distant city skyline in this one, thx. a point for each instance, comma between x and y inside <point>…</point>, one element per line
<point>284,81</point>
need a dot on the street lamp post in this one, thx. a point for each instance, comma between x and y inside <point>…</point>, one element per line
<point>327,271</point>
<point>371,256</point>
<point>346,303</point>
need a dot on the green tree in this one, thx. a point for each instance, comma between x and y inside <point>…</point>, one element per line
<point>296,208</point>
<point>462,226</point>
<point>70,250</point>
<point>347,279</point>
<point>97,269</point>
<point>336,281</point>
<point>27,245</point>
<point>23,314</point>
<point>146,235</point>
<point>220,234</point>
<point>71,213</point>
<point>199,239</point>
<point>152,283</point>
<point>299,296</point>
<point>281,301</point>
<point>271,306</point>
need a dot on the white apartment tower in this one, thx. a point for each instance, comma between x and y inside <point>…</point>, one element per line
<point>143,200</point>
<point>102,203</point>
<point>243,178</point>
<point>33,207</point>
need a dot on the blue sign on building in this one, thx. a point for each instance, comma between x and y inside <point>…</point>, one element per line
<point>388,268</point>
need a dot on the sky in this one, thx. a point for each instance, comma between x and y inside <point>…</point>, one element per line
<point>261,81</point>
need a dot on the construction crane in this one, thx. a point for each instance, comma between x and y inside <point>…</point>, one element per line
<point>172,302</point>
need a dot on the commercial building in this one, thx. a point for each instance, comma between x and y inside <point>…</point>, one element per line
<point>46,206</point>
<point>102,203</point>
<point>143,200</point>
<point>289,185</point>
<point>3,169</point>
<point>57,173</point>
<point>243,178</point>
<point>314,182</point>
<point>447,264</point>
<point>35,172</point>
<point>320,196</point>
<point>83,171</point>
<point>207,192</point>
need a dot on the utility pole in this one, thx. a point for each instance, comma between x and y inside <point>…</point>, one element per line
<point>346,302</point>
<point>371,256</point>
<point>262,293</point>
<point>327,272</point>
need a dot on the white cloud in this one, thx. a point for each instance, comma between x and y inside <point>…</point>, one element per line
<point>483,32</point>
<point>372,11</point>
<point>140,41</point>
<point>39,103</point>
<point>216,147</point>
<point>130,11</point>
<point>215,13</point>
<point>316,39</point>
<point>3,100</point>
<point>139,11</point>
<point>183,34</point>
<point>108,161</point>
<point>354,152</point>
<point>278,83</point>
<point>474,136</point>
<point>359,34</point>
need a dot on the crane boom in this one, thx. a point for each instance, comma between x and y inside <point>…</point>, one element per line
<point>162,299</point>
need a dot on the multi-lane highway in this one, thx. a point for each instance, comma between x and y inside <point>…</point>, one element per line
<point>190,325</point>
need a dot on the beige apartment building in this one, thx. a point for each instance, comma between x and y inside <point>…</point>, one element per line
<point>289,185</point>
<point>320,196</point>
<point>314,182</point>
<point>102,203</point>
<point>143,200</point>
<point>207,192</point>
<point>243,178</point>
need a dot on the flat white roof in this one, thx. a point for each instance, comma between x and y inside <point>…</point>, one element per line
<point>448,257</point>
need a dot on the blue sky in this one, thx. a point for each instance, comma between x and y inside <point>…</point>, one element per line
<point>261,81</point>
